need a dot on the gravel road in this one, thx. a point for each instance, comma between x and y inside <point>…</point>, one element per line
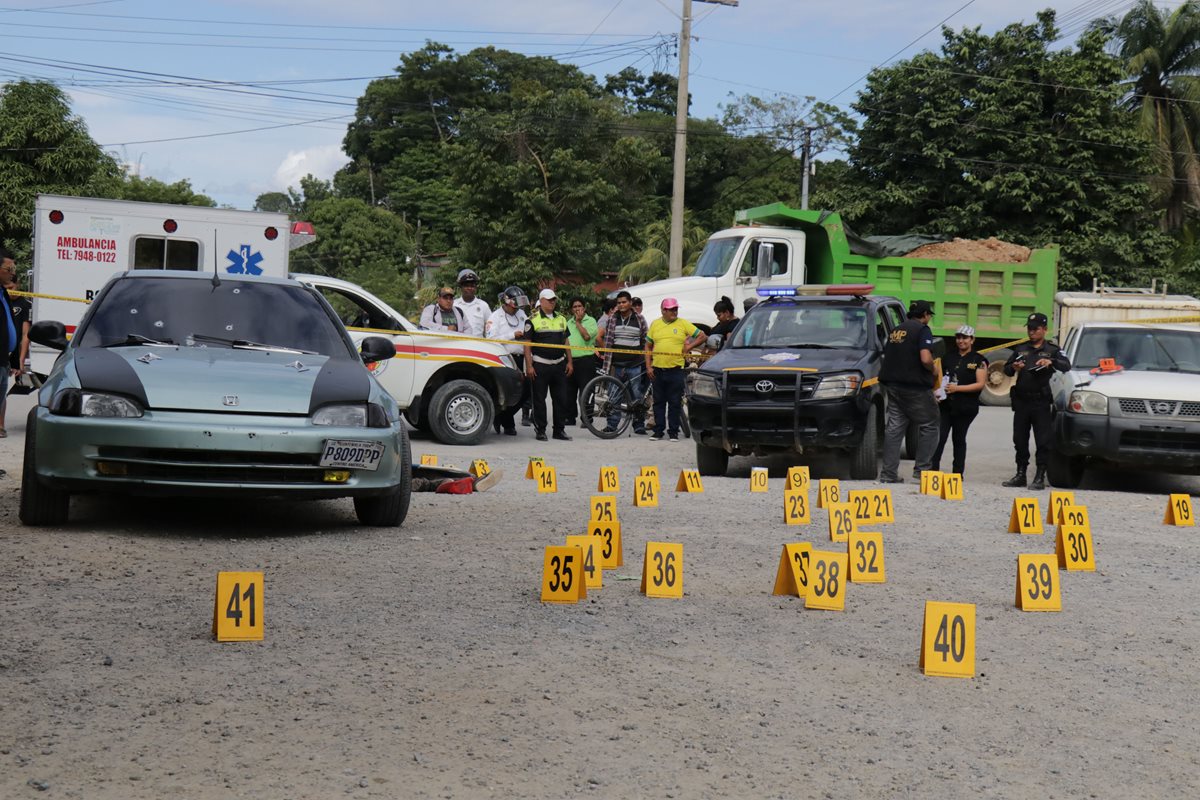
<point>419,662</point>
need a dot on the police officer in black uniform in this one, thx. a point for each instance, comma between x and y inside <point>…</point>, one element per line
<point>907,375</point>
<point>1033,362</point>
<point>548,367</point>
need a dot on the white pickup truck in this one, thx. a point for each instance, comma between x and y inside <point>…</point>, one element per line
<point>449,387</point>
<point>1131,400</point>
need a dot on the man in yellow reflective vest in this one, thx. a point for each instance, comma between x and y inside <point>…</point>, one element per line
<point>548,367</point>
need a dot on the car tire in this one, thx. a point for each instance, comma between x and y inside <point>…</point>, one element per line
<point>389,510</point>
<point>40,505</point>
<point>1065,472</point>
<point>864,461</point>
<point>460,413</point>
<point>711,460</point>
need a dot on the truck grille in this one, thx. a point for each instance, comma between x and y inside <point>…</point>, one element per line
<point>1159,408</point>
<point>1162,440</point>
<point>770,388</point>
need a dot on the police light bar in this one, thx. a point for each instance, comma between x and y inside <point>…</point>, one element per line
<point>813,290</point>
<point>851,288</point>
<point>776,291</point>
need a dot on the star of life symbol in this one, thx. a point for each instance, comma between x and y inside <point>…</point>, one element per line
<point>244,262</point>
<point>146,359</point>
<point>298,366</point>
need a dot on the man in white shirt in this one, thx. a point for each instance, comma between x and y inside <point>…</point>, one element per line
<point>507,324</point>
<point>475,310</point>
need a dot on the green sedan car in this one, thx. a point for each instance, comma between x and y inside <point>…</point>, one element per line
<point>182,383</point>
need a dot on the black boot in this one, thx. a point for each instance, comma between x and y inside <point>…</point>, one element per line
<point>525,417</point>
<point>1018,479</point>
<point>1039,479</point>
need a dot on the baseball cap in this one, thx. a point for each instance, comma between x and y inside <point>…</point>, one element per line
<point>920,308</point>
<point>1036,320</point>
<point>547,294</point>
<point>965,330</point>
<point>670,302</point>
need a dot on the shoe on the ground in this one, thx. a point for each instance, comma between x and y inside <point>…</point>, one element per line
<point>1016,480</point>
<point>510,431</point>
<point>1039,480</point>
<point>640,431</point>
<point>561,436</point>
<point>496,425</point>
<point>896,479</point>
<point>673,438</point>
<point>656,437</point>
<point>609,429</point>
<point>489,480</point>
<point>540,436</point>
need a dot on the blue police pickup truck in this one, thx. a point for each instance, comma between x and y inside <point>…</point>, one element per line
<point>799,374</point>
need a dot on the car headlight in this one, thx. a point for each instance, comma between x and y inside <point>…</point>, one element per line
<point>508,361</point>
<point>835,386</point>
<point>342,416</point>
<point>1088,402</point>
<point>78,403</point>
<point>702,385</point>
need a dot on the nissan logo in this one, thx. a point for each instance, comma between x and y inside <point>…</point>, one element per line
<point>1163,408</point>
<point>764,387</point>
<point>229,400</point>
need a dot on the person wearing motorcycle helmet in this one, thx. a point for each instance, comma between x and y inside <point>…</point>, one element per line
<point>475,310</point>
<point>507,324</point>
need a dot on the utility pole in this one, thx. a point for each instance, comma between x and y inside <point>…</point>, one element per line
<point>675,256</point>
<point>806,164</point>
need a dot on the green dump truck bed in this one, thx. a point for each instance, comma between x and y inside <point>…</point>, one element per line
<point>995,298</point>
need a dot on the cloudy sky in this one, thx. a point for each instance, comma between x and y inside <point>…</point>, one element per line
<point>246,97</point>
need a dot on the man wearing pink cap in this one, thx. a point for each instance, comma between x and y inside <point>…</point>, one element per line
<point>667,340</point>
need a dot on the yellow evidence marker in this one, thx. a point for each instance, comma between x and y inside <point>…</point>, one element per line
<point>547,480</point>
<point>1055,507</point>
<point>795,507</point>
<point>931,482</point>
<point>792,575</point>
<point>952,488</point>
<point>1075,515</point>
<point>1073,546</point>
<point>1037,583</point>
<point>689,481</point>
<point>645,491</point>
<point>841,522</point>
<point>562,581</point>
<point>593,569</point>
<point>536,464</point>
<point>651,472</point>
<point>872,505</point>
<point>827,581</point>
<point>1179,510</point>
<point>608,482</point>
<point>603,508</point>
<point>866,557</point>
<point>611,553</point>
<point>948,640</point>
<point>828,492</point>
<point>428,460</point>
<point>662,571</point>
<point>238,608</point>
<point>479,468</point>
<point>758,479</point>
<point>1025,517</point>
<point>798,478</point>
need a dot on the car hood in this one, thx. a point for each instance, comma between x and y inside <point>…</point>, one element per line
<point>1143,384</point>
<point>221,379</point>
<point>824,360</point>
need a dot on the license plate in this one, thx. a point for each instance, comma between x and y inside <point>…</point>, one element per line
<point>351,454</point>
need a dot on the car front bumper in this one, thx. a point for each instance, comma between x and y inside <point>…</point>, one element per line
<point>812,424</point>
<point>181,453</point>
<point>1157,444</point>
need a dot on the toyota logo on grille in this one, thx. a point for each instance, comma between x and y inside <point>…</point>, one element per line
<point>764,387</point>
<point>1163,408</point>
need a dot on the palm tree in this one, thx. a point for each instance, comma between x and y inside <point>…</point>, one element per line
<point>651,264</point>
<point>1161,51</point>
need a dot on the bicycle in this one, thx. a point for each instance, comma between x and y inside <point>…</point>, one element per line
<point>606,396</point>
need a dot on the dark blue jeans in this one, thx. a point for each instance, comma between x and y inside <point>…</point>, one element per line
<point>668,397</point>
<point>633,375</point>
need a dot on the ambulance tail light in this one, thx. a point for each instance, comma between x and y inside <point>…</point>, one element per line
<point>303,228</point>
<point>56,216</point>
<point>170,225</point>
<point>272,233</point>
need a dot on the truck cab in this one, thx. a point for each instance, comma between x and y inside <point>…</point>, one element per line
<point>799,374</point>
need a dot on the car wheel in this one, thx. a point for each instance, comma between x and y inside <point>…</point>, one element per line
<point>389,510</point>
<point>711,460</point>
<point>864,461</point>
<point>1065,472</point>
<point>40,505</point>
<point>460,412</point>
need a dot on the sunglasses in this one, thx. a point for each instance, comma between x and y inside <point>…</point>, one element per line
<point>447,294</point>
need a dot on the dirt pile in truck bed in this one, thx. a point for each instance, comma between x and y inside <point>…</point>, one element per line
<point>974,250</point>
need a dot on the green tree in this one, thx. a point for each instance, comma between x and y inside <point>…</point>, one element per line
<point>1003,136</point>
<point>651,263</point>
<point>288,202</point>
<point>44,148</point>
<point>1161,53</point>
<point>152,190</point>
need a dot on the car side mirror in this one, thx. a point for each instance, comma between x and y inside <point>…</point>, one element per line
<point>764,260</point>
<point>377,348</point>
<point>49,334</point>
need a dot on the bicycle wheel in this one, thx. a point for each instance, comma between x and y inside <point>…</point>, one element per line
<point>605,397</point>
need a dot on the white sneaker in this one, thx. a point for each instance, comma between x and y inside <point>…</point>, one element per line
<point>674,438</point>
<point>656,437</point>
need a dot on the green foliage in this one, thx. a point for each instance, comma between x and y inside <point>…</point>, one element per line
<point>1002,136</point>
<point>652,263</point>
<point>44,148</point>
<point>152,190</point>
<point>288,202</point>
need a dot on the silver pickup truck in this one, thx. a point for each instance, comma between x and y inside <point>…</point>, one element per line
<point>1131,399</point>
